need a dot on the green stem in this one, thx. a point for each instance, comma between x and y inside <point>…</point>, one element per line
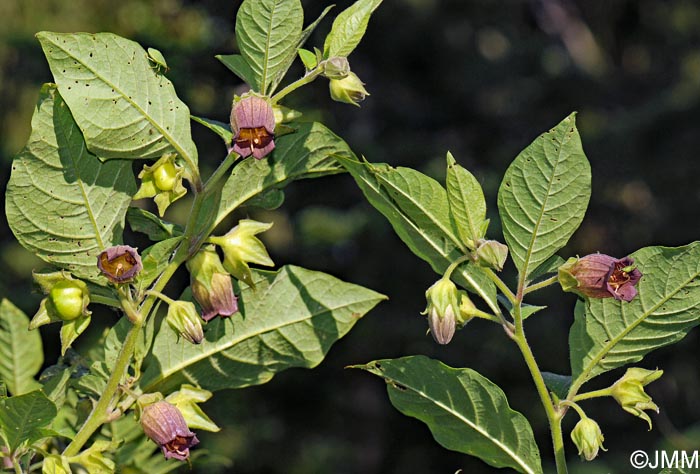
<point>554,416</point>
<point>99,413</point>
<point>308,78</point>
<point>220,171</point>
<point>603,392</point>
<point>15,464</point>
<point>455,264</point>
<point>160,295</point>
<point>477,313</point>
<point>540,285</point>
<point>501,286</point>
<point>575,406</point>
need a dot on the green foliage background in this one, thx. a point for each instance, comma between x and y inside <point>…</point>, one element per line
<point>482,79</point>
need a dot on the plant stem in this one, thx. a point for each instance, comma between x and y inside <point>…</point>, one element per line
<point>455,264</point>
<point>308,78</point>
<point>15,464</point>
<point>554,416</point>
<point>540,285</point>
<point>603,392</point>
<point>477,313</point>
<point>99,413</point>
<point>501,286</point>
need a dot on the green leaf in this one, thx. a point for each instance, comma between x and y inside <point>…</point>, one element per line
<point>124,108</point>
<point>349,28</point>
<point>21,352</point>
<point>220,128</point>
<point>526,310</point>
<point>62,203</point>
<point>153,226</point>
<point>417,208</point>
<point>70,330</point>
<point>308,58</point>
<point>544,195</point>
<point>155,258</point>
<point>559,384</point>
<point>467,202</point>
<point>240,67</point>
<point>607,334</point>
<point>310,152</point>
<point>23,416</point>
<point>464,411</point>
<point>291,320</point>
<point>268,32</point>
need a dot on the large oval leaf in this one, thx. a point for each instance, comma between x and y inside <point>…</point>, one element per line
<point>290,320</point>
<point>544,195</point>
<point>268,33</point>
<point>124,107</point>
<point>417,208</point>
<point>23,416</point>
<point>63,203</point>
<point>464,411</point>
<point>607,334</point>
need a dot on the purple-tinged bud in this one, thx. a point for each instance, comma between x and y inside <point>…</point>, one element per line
<point>183,318</point>
<point>588,438</point>
<point>600,276</point>
<point>165,425</point>
<point>336,67</point>
<point>241,247</point>
<point>211,284</point>
<point>349,90</point>
<point>629,392</point>
<point>120,264</point>
<point>491,254</point>
<point>442,310</point>
<point>253,126</point>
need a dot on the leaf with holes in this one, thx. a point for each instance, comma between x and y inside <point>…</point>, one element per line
<point>464,411</point>
<point>290,320</point>
<point>124,108</point>
<point>268,33</point>
<point>544,195</point>
<point>21,352</point>
<point>607,334</point>
<point>62,203</point>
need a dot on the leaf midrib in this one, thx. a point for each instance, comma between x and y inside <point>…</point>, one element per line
<point>221,348</point>
<point>174,143</point>
<point>521,462</point>
<point>583,377</point>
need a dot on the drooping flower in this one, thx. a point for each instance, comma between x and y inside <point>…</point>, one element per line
<point>211,284</point>
<point>349,90</point>
<point>442,310</point>
<point>165,425</point>
<point>120,264</point>
<point>588,438</point>
<point>629,392</point>
<point>600,276</point>
<point>253,126</point>
<point>182,317</point>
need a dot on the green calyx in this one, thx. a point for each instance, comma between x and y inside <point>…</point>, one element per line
<point>588,438</point>
<point>629,392</point>
<point>349,90</point>
<point>162,181</point>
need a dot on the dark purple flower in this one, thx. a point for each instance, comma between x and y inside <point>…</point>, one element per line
<point>165,425</point>
<point>600,276</point>
<point>253,126</point>
<point>119,264</point>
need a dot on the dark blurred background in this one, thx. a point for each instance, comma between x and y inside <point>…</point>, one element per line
<point>481,79</point>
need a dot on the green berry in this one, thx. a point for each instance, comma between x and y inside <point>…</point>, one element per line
<point>165,176</point>
<point>67,298</point>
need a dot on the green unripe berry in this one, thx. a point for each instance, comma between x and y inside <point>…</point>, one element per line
<point>165,176</point>
<point>67,298</point>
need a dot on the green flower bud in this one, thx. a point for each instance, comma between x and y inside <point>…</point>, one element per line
<point>241,247</point>
<point>69,299</point>
<point>628,391</point>
<point>442,310</point>
<point>491,254</point>
<point>349,90</point>
<point>162,181</point>
<point>183,318</point>
<point>466,308</point>
<point>588,438</point>
<point>211,284</point>
<point>336,67</point>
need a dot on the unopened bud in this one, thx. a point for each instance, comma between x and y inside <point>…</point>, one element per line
<point>588,438</point>
<point>349,90</point>
<point>183,318</point>
<point>336,67</point>
<point>211,284</point>
<point>442,310</point>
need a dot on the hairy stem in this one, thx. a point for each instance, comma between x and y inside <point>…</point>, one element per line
<point>501,285</point>
<point>603,392</point>
<point>553,414</point>
<point>308,78</point>
<point>542,284</point>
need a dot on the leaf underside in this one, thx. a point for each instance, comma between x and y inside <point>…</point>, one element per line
<point>21,351</point>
